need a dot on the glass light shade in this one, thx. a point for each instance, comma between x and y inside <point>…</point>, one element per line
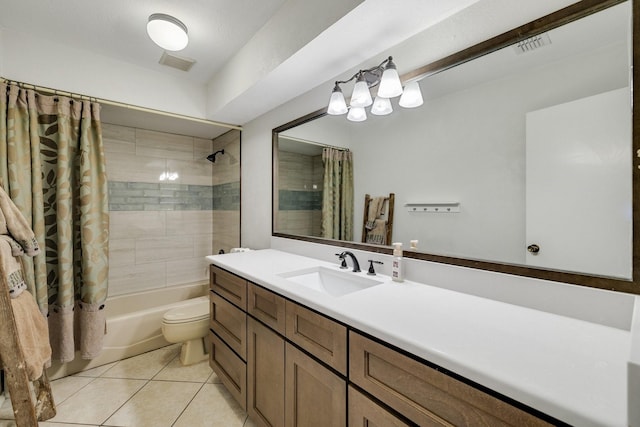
<point>357,114</point>
<point>361,97</point>
<point>167,32</point>
<point>390,85</point>
<point>381,106</point>
<point>337,104</point>
<point>412,96</point>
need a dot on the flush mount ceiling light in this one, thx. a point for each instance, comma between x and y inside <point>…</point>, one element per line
<point>167,32</point>
<point>386,76</point>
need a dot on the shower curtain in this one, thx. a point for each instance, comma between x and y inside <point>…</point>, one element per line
<point>337,194</point>
<point>52,166</point>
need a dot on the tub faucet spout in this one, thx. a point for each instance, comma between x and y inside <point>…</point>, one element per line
<point>354,260</point>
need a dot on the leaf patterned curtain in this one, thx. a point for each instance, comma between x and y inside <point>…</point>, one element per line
<point>337,194</point>
<point>52,166</point>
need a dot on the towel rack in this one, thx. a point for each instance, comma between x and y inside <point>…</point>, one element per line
<point>389,205</point>
<point>29,406</point>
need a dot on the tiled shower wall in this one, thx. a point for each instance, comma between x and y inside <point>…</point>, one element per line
<point>162,207</point>
<point>226,192</point>
<point>299,194</point>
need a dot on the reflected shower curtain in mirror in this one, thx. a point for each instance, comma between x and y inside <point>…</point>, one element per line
<point>337,194</point>
<point>52,166</point>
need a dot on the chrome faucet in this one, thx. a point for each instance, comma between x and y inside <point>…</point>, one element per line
<point>356,264</point>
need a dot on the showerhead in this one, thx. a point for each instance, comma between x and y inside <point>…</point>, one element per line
<point>212,157</point>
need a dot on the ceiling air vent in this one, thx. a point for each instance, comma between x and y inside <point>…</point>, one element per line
<point>174,61</point>
<point>532,43</point>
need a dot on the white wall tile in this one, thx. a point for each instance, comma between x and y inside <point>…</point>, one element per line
<point>195,172</point>
<point>126,167</point>
<point>187,271</point>
<point>122,252</point>
<point>202,148</point>
<point>189,222</point>
<point>156,249</point>
<point>202,245</point>
<point>135,278</point>
<point>134,224</point>
<point>164,145</point>
<point>118,139</point>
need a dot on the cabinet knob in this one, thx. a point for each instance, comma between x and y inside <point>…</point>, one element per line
<point>534,249</point>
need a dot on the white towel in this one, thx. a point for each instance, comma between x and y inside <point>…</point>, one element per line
<point>377,235</point>
<point>14,223</point>
<point>376,208</point>
<point>11,267</point>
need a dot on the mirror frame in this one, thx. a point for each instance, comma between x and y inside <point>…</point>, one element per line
<point>541,25</point>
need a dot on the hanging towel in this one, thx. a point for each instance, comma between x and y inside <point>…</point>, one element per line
<point>12,268</point>
<point>378,235</point>
<point>33,334</point>
<point>14,223</point>
<point>376,206</point>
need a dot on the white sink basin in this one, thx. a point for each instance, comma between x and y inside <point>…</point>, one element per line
<point>331,282</point>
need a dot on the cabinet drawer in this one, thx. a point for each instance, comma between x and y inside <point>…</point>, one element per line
<point>230,323</point>
<point>319,335</point>
<point>231,370</point>
<point>425,395</point>
<point>230,286</point>
<point>365,412</point>
<point>267,307</point>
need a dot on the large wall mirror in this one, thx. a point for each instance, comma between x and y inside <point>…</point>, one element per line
<point>520,160</point>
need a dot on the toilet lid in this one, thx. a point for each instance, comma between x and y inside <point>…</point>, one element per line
<point>188,313</point>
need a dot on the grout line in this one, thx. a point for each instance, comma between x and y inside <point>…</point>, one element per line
<point>188,403</point>
<point>125,402</point>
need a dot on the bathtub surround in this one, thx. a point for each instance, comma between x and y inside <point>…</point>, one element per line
<point>162,228</point>
<point>226,192</point>
<point>54,170</point>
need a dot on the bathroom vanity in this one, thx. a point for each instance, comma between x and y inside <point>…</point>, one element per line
<point>293,352</point>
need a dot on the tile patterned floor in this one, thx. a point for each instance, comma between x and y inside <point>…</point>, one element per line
<point>149,390</point>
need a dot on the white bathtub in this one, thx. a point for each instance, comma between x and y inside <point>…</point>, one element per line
<point>133,326</point>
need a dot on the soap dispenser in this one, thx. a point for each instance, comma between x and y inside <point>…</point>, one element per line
<point>397,269</point>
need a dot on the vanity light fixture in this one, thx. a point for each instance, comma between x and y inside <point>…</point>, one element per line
<point>167,32</point>
<point>386,76</point>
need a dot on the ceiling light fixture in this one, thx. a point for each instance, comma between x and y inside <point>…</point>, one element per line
<point>385,75</point>
<point>167,32</point>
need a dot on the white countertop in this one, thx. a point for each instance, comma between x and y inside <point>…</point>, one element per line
<point>570,369</point>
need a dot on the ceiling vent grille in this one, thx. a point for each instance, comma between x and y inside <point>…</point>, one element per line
<point>174,61</point>
<point>532,43</point>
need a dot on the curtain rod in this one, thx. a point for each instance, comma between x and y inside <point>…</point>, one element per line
<point>118,104</point>
<point>306,141</point>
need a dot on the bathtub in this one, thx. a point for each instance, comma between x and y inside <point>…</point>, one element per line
<point>133,326</point>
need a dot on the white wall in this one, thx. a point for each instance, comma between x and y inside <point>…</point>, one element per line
<point>41,62</point>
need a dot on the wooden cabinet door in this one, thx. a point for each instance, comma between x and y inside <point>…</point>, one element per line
<point>230,286</point>
<point>315,396</point>
<point>364,412</point>
<point>229,323</point>
<point>326,339</point>
<point>265,375</point>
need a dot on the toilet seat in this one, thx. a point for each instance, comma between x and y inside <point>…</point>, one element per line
<point>188,313</point>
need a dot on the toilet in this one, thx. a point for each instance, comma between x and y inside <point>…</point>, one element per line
<point>188,324</point>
